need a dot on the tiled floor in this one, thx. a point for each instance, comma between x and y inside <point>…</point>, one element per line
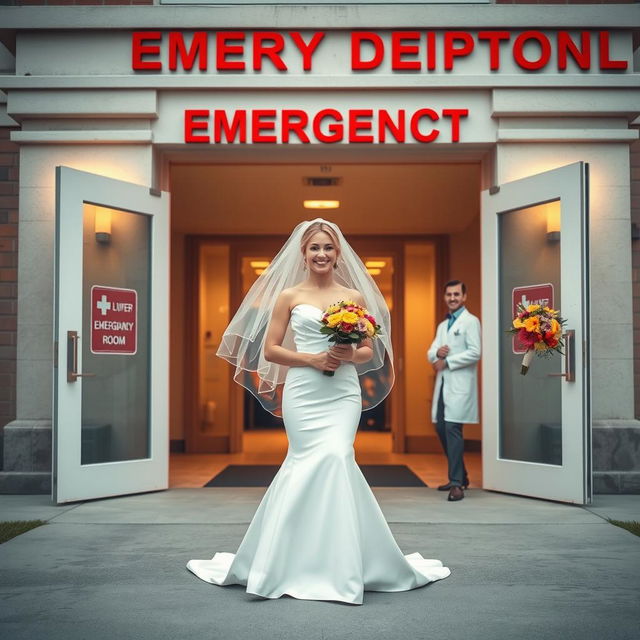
<point>269,447</point>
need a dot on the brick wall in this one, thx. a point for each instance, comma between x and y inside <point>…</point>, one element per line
<point>8,277</point>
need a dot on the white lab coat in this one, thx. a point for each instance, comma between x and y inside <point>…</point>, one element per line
<point>461,374</point>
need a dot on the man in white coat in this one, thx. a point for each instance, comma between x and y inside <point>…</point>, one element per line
<point>454,355</point>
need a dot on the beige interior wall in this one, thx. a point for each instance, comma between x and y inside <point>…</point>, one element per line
<point>214,317</point>
<point>464,264</point>
<point>419,329</point>
<point>176,337</point>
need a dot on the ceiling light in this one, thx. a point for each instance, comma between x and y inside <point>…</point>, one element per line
<point>259,264</point>
<point>321,204</point>
<point>374,271</point>
<point>378,264</point>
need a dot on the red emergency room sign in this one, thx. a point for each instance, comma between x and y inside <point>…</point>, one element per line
<point>541,294</point>
<point>114,320</point>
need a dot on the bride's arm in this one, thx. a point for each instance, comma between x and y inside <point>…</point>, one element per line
<point>275,352</point>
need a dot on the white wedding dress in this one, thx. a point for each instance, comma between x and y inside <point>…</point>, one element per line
<point>319,533</point>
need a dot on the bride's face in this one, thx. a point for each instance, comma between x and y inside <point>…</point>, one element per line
<point>321,253</point>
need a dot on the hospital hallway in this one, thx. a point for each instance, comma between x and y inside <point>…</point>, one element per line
<point>269,447</point>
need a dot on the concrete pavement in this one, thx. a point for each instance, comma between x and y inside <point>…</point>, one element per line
<point>521,568</point>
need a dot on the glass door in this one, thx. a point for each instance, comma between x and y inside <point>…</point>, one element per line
<point>537,427</point>
<point>111,333</point>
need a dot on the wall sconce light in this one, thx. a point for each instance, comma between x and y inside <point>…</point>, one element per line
<point>375,264</point>
<point>103,225</point>
<point>553,221</point>
<point>321,204</point>
<point>374,271</point>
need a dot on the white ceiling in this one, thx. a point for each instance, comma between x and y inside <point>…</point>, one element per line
<point>402,198</point>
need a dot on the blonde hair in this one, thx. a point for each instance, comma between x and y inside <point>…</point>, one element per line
<point>316,227</point>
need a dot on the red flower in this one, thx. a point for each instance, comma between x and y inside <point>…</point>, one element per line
<point>550,339</point>
<point>528,338</point>
<point>346,327</point>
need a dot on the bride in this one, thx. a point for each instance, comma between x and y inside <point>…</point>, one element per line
<point>318,533</point>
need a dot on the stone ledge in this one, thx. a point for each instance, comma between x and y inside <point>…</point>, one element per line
<point>616,446</point>
<point>20,482</point>
<point>616,482</point>
<point>27,446</point>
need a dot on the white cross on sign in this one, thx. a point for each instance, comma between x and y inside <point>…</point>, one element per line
<point>103,305</point>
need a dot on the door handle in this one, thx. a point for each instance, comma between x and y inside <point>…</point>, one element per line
<point>72,358</point>
<point>569,358</point>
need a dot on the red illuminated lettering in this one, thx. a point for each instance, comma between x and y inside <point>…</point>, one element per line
<point>198,49</point>
<point>224,49</point>
<point>395,129</point>
<point>605,56</point>
<point>191,125</point>
<point>237,127</point>
<point>452,51</point>
<point>399,48</point>
<point>335,129</point>
<point>582,56</point>
<point>357,38</point>
<point>268,44</point>
<point>455,115</point>
<point>307,49</point>
<point>414,125</point>
<point>294,121</point>
<point>494,38</point>
<point>263,120</point>
<point>431,50</point>
<point>139,49</point>
<point>545,50</point>
<point>358,122</point>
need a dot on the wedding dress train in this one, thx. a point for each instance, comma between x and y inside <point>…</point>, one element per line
<point>319,533</point>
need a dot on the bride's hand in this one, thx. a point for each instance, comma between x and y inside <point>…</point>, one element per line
<point>324,361</point>
<point>342,352</point>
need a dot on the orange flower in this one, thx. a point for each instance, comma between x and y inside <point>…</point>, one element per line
<point>532,324</point>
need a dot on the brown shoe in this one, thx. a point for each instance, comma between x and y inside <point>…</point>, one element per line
<point>455,494</point>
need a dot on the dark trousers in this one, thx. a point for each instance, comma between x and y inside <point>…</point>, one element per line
<point>450,434</point>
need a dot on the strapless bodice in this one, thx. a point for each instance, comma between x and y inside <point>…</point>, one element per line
<point>305,324</point>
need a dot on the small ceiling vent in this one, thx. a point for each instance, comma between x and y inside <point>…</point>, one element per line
<point>322,181</point>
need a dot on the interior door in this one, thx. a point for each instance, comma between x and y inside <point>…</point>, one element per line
<point>110,418</point>
<point>537,427</point>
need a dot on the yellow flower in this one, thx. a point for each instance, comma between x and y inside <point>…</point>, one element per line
<point>517,323</point>
<point>334,308</point>
<point>349,317</point>
<point>334,319</point>
<point>370,329</point>
<point>555,326</point>
<point>532,324</point>
<point>360,313</point>
<point>551,311</point>
<point>533,307</point>
<point>540,346</point>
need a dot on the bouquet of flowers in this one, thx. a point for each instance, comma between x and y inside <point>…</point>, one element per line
<point>539,329</point>
<point>348,323</point>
